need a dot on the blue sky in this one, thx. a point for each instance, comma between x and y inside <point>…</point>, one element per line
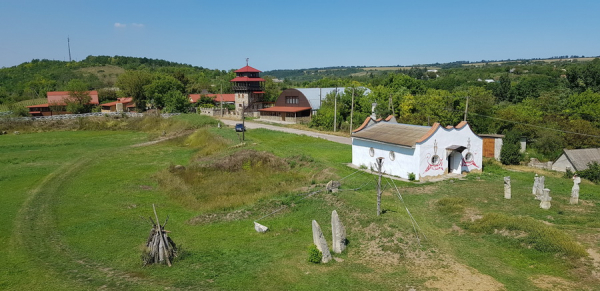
<point>298,34</point>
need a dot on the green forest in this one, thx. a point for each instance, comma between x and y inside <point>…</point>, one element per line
<point>554,103</point>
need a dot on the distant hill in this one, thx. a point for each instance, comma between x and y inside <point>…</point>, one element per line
<point>312,74</point>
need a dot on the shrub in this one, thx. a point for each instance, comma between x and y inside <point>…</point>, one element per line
<point>568,174</point>
<point>314,255</point>
<point>411,176</point>
<point>510,153</point>
<point>592,173</point>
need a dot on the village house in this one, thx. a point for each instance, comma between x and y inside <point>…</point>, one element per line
<point>492,145</point>
<point>576,160</point>
<point>57,103</point>
<point>126,104</point>
<point>298,105</point>
<point>217,98</point>
<point>425,151</point>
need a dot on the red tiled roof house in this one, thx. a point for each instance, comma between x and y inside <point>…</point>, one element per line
<point>57,103</point>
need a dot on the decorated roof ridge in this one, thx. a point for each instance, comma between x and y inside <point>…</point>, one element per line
<point>366,122</point>
<point>248,69</point>
<point>461,124</point>
<point>363,125</point>
<point>431,131</point>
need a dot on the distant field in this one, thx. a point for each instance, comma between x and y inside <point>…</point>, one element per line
<point>397,68</point>
<point>544,60</point>
<point>4,107</point>
<point>107,74</point>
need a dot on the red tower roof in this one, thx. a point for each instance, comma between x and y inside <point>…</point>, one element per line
<point>248,69</point>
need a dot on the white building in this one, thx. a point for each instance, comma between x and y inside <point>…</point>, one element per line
<point>425,151</point>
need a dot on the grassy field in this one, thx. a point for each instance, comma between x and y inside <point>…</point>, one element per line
<point>74,203</point>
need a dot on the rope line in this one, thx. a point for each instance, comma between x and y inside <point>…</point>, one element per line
<point>414,223</point>
<point>285,206</point>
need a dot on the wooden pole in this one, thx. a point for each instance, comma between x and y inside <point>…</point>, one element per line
<point>466,108</point>
<point>379,166</point>
<point>352,110</point>
<point>335,111</point>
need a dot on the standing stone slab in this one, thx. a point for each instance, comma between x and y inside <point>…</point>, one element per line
<point>575,190</point>
<point>320,242</point>
<point>338,233</point>
<point>507,193</point>
<point>545,204</point>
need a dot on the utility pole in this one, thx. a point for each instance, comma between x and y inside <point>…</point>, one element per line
<point>244,121</point>
<point>335,110</point>
<point>466,108</point>
<point>221,98</point>
<point>379,166</point>
<point>352,110</point>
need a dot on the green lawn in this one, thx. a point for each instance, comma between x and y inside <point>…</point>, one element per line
<point>75,207</point>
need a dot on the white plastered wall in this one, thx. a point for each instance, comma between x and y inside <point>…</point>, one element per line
<point>445,138</point>
<point>404,162</point>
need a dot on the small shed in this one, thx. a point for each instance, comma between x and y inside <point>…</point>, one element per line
<point>425,151</point>
<point>492,145</point>
<point>576,160</point>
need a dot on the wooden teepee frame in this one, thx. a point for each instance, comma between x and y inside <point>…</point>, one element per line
<point>160,248</point>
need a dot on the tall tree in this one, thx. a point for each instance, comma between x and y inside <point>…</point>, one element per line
<point>79,97</point>
<point>132,85</point>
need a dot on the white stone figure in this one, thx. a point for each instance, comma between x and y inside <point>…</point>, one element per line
<point>507,192</point>
<point>545,204</point>
<point>535,182</point>
<point>540,187</point>
<point>338,233</point>
<point>260,228</point>
<point>575,190</point>
<point>320,242</point>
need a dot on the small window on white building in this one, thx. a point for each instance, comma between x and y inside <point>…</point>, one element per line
<point>469,157</point>
<point>435,160</point>
<point>392,156</point>
<point>372,152</point>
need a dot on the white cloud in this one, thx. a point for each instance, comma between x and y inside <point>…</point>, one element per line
<point>139,25</point>
<point>120,25</point>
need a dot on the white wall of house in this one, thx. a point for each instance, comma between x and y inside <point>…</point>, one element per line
<point>562,163</point>
<point>404,159</point>
<point>455,160</point>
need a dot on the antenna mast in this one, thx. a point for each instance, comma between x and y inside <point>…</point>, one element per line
<point>69,45</point>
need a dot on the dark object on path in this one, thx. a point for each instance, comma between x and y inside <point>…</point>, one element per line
<point>160,249</point>
<point>240,127</point>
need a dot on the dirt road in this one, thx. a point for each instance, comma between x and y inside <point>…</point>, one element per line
<point>254,125</point>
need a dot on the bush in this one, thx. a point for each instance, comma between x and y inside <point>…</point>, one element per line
<point>510,153</point>
<point>592,173</point>
<point>314,255</point>
<point>411,176</point>
<point>568,174</point>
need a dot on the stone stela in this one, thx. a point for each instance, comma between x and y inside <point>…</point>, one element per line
<point>320,242</point>
<point>575,190</point>
<point>338,234</point>
<point>545,204</point>
<point>507,191</point>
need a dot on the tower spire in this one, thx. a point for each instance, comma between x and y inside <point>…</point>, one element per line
<point>247,61</point>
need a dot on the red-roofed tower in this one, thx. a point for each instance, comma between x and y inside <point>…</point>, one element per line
<point>249,89</point>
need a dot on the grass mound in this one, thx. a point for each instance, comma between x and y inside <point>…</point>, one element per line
<point>532,233</point>
<point>224,183</point>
